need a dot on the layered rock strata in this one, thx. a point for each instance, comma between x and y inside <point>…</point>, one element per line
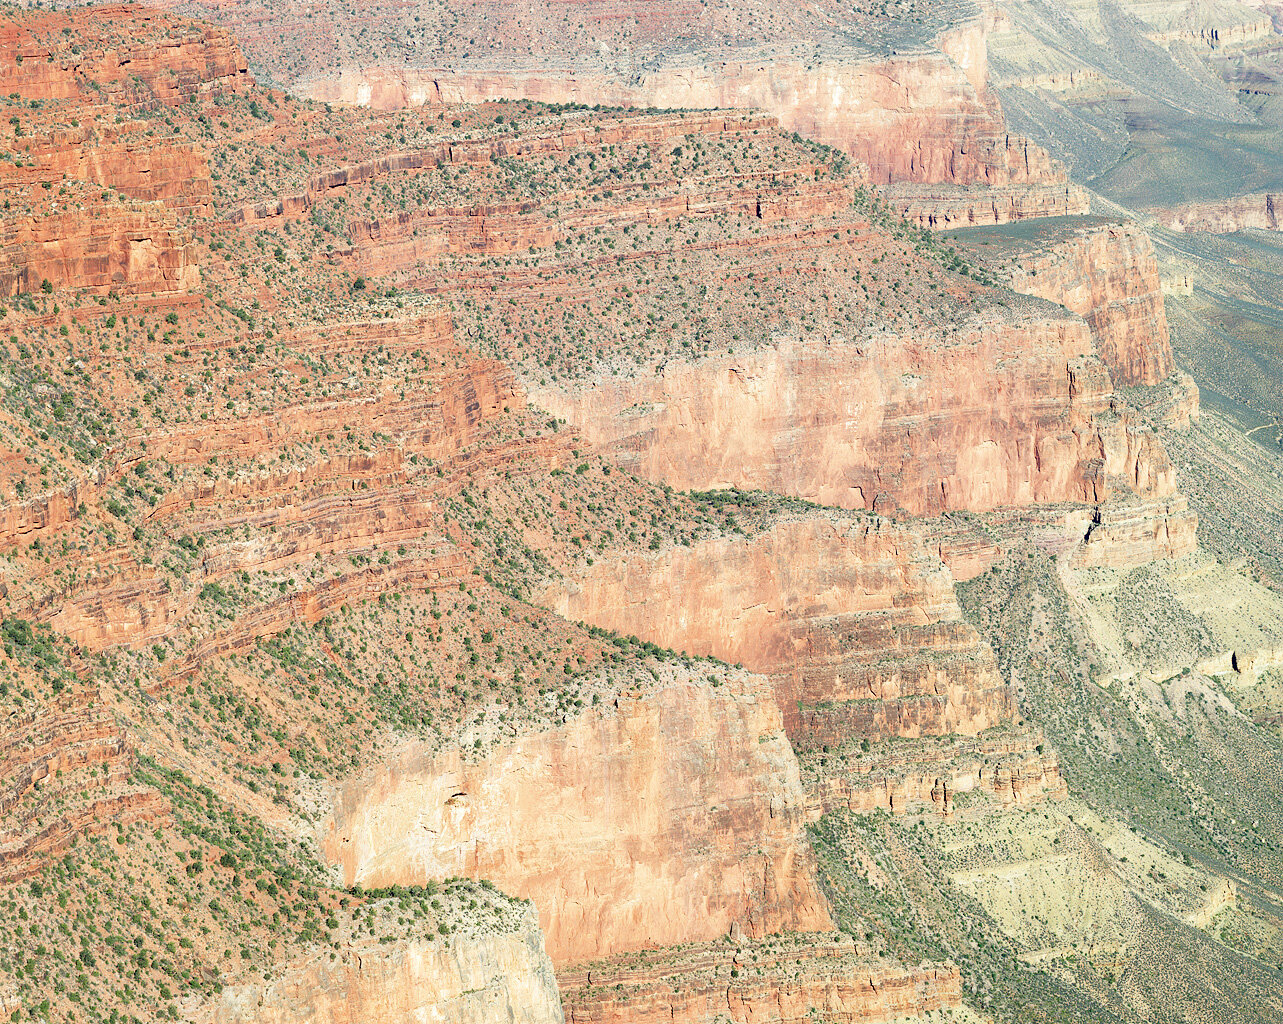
<point>501,977</point>
<point>924,115</point>
<point>125,55</point>
<point>1013,769</point>
<point>994,412</point>
<point>100,247</point>
<point>123,157</point>
<point>1225,216</point>
<point>1108,275</point>
<point>943,207</point>
<point>41,812</point>
<point>647,131</point>
<point>1130,533</point>
<point>855,623</point>
<point>783,981</point>
<point>665,819</point>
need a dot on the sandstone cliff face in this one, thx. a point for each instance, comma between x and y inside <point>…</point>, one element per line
<point>919,118</point>
<point>482,978</point>
<point>1130,533</point>
<point>1121,533</point>
<point>123,158</point>
<point>826,974</point>
<point>663,820</point>
<point>100,246</point>
<point>1107,274</point>
<point>943,206</point>
<point>856,625</point>
<point>1012,769</point>
<point>1225,216</point>
<point>924,116</point>
<point>990,413</point>
<point>126,55</point>
<point>43,812</point>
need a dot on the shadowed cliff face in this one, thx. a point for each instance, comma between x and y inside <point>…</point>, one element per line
<point>664,818</point>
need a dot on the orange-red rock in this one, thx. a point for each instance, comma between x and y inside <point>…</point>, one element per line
<point>124,54</point>
<point>992,412</point>
<point>789,981</point>
<point>1014,770</point>
<point>97,246</point>
<point>1107,274</point>
<point>662,820</point>
<point>855,623</point>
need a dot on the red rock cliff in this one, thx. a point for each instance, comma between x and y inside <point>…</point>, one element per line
<point>856,625</point>
<point>125,55</point>
<point>1107,274</point>
<point>99,246</point>
<point>663,820</point>
<point>993,412</point>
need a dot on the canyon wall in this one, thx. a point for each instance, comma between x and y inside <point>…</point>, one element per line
<point>996,411</point>
<point>336,505</point>
<point>126,55</point>
<point>855,623</point>
<point>943,207</point>
<point>1225,216</point>
<point>789,982</point>
<point>924,115</point>
<point>122,157</point>
<point>1108,275</point>
<point>639,131</point>
<point>100,246</point>
<point>64,774</point>
<point>1131,533</point>
<point>498,977</point>
<point>659,820</point>
<point>1014,769</point>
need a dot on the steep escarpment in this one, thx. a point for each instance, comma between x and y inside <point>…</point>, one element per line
<point>922,112</point>
<point>556,817</point>
<point>125,55</point>
<point>1011,767</point>
<point>501,976</point>
<point>1107,273</point>
<point>96,245</point>
<point>357,665</point>
<point>923,117</point>
<point>121,156</point>
<point>990,413</point>
<point>811,249</point>
<point>1224,216</point>
<point>854,623</point>
<point>946,206</point>
<point>830,974</point>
